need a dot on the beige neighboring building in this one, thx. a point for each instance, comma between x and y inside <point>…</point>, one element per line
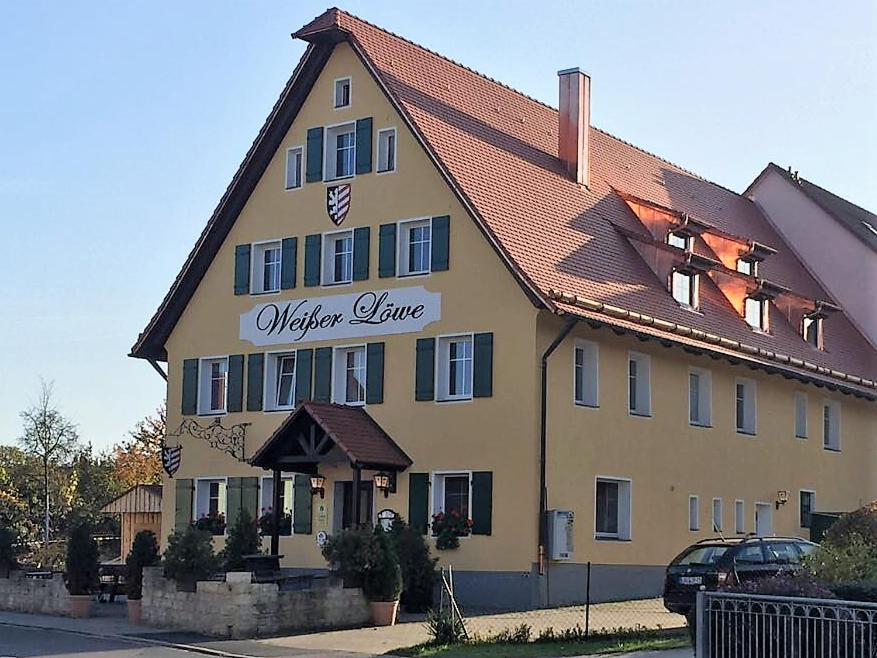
<point>834,238</point>
<point>427,293</point>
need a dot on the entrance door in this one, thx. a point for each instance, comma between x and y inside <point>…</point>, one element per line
<point>763,520</point>
<point>366,504</point>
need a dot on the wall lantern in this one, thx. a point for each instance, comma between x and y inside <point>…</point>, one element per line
<point>318,485</point>
<point>385,482</point>
<point>782,498</point>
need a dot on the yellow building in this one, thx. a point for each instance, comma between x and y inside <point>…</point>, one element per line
<point>420,273</point>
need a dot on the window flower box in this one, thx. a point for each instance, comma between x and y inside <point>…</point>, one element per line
<point>448,528</point>
<point>214,523</point>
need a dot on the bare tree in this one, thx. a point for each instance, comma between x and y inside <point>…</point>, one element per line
<point>48,436</point>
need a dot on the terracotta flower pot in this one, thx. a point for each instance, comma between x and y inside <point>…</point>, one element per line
<point>79,605</point>
<point>135,610</point>
<point>384,612</point>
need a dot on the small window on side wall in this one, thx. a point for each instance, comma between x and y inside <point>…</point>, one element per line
<point>612,509</point>
<point>801,415</point>
<point>831,425</point>
<point>807,503</point>
<point>744,406</point>
<point>585,374</point>
<point>213,386</point>
<point>415,247</point>
<point>386,150</point>
<point>739,517</point>
<point>342,93</point>
<point>639,384</point>
<point>455,368</point>
<point>265,276</point>
<point>294,164</point>
<point>700,397</point>
<point>693,513</point>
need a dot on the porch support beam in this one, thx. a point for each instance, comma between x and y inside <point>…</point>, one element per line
<point>275,515</point>
<point>357,479</point>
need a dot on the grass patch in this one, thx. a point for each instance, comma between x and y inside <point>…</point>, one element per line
<point>540,649</point>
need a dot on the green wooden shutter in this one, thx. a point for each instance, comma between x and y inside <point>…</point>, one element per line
<point>232,502</point>
<point>242,269</point>
<point>482,502</point>
<point>424,375</point>
<point>314,167</point>
<point>301,505</point>
<point>387,250</point>
<point>303,365</point>
<point>323,374</point>
<point>418,501</point>
<point>441,239</point>
<point>235,401</point>
<point>482,365</point>
<point>363,145</point>
<point>189,405</point>
<point>255,374</point>
<point>313,245</point>
<point>374,373</point>
<point>288,262</point>
<point>250,496</point>
<point>360,253</point>
<point>183,504</point>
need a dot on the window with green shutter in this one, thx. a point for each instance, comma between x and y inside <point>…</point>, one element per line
<point>424,369</point>
<point>183,496</point>
<point>288,262</point>
<point>313,246</point>
<point>374,373</point>
<point>314,167</point>
<point>303,369</point>
<point>255,370</point>
<point>360,253</point>
<point>418,501</point>
<point>482,365</point>
<point>387,250</point>
<point>441,239</point>
<point>323,374</point>
<point>235,402</point>
<point>364,145</point>
<point>302,505</point>
<point>242,269</point>
<point>482,502</point>
<point>189,405</point>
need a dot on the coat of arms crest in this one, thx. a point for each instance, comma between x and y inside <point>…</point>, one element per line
<point>338,202</point>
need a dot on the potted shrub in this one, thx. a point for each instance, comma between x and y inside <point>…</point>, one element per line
<point>243,539</point>
<point>351,554</point>
<point>419,575</point>
<point>382,582</point>
<point>81,570</point>
<point>448,528</point>
<point>8,551</point>
<point>144,553</point>
<point>189,558</point>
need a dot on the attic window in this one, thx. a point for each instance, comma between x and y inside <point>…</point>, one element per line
<point>683,286</point>
<point>342,93</point>
<point>747,266</point>
<point>755,312</point>
<point>812,331</point>
<point>679,240</point>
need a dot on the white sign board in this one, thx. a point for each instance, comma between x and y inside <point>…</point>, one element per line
<point>357,315</point>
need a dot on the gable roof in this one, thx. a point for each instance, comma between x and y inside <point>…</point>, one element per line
<point>862,223</point>
<point>139,498</point>
<point>497,149</point>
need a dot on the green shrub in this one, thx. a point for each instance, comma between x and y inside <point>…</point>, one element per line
<point>82,563</point>
<point>797,585</point>
<point>144,553</point>
<point>849,557</point>
<point>189,556</point>
<point>861,522</point>
<point>9,549</point>
<point>242,539</point>
<point>383,581</point>
<point>444,627</point>
<point>856,591</point>
<point>352,553</point>
<point>419,574</point>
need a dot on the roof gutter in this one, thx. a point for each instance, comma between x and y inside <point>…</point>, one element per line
<point>543,441</point>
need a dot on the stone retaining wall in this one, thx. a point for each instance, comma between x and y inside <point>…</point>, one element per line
<point>39,595</point>
<point>239,608</point>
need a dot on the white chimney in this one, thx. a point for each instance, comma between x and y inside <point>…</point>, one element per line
<point>574,120</point>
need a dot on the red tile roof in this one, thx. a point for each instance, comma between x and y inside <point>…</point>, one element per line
<point>499,147</point>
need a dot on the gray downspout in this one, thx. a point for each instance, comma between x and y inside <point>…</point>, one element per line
<point>543,440</point>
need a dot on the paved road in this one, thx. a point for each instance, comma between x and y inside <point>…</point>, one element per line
<point>17,642</point>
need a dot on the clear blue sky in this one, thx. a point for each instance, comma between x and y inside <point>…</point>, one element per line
<point>122,124</point>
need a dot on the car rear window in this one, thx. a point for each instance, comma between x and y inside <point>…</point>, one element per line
<point>702,555</point>
<point>782,552</point>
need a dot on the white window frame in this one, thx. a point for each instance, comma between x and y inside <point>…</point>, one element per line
<point>819,326</point>
<point>694,513</point>
<point>739,516</point>
<point>763,321</point>
<point>223,498</point>
<point>643,388</point>
<point>270,384</point>
<point>327,267</point>
<point>437,487</point>
<point>704,397</point>
<point>691,301</point>
<point>403,233</point>
<point>750,410</point>
<point>718,519</point>
<point>753,266</point>
<point>299,174</point>
<point>330,171</point>
<point>589,372</point>
<point>812,495</point>
<point>258,250</point>
<point>443,367</point>
<point>205,382</point>
<point>266,486</point>
<point>386,131</point>
<point>801,424</point>
<point>339,365</point>
<point>625,508</point>
<point>687,239</point>
<point>335,88</point>
<point>832,442</point>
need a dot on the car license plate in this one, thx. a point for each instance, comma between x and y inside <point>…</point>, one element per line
<point>690,580</point>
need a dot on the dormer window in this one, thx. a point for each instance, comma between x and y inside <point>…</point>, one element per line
<point>747,266</point>
<point>679,240</point>
<point>342,93</point>
<point>683,286</point>
<point>812,331</point>
<point>755,313</point>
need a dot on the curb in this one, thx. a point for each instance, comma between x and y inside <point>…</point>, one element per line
<point>192,648</point>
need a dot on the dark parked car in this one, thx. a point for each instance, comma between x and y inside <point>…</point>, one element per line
<point>714,563</point>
